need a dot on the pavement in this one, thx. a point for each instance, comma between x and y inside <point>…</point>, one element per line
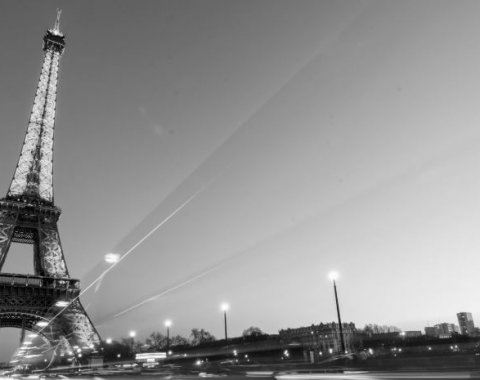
<point>260,375</point>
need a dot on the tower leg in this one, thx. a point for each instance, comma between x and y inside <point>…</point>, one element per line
<point>83,333</point>
<point>8,221</point>
<point>6,233</point>
<point>51,254</point>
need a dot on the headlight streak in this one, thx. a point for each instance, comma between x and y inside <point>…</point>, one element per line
<point>330,376</point>
<point>387,375</point>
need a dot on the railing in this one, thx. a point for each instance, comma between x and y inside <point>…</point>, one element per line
<point>24,204</point>
<point>38,281</point>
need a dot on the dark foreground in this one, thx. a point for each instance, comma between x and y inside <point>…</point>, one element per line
<point>254,374</point>
<point>360,375</point>
<point>461,366</point>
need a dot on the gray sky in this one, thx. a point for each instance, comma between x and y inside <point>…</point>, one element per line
<point>312,135</point>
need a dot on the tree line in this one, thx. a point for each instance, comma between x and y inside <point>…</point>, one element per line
<point>156,341</point>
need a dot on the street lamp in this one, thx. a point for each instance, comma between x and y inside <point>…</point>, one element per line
<point>132,335</point>
<point>224,308</point>
<point>112,258</point>
<point>333,276</point>
<point>168,323</point>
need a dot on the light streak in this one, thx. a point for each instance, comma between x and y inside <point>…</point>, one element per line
<point>99,283</point>
<point>152,231</point>
<point>99,279</point>
<point>365,375</point>
<point>215,267</point>
<point>169,290</point>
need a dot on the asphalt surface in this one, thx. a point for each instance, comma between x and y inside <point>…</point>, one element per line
<point>264,375</point>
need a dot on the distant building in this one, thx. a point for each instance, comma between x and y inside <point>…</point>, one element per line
<point>442,330</point>
<point>447,329</point>
<point>412,334</point>
<point>431,331</point>
<point>321,340</point>
<point>465,321</point>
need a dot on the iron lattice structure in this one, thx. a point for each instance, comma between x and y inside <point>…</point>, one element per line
<point>28,216</point>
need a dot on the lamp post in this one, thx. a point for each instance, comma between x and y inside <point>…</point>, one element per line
<point>112,258</point>
<point>333,276</point>
<point>132,335</point>
<point>225,307</point>
<point>168,323</point>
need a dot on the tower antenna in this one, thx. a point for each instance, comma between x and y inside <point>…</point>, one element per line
<point>57,21</point>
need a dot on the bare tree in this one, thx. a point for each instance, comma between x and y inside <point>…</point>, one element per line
<point>157,341</point>
<point>179,340</point>
<point>252,331</point>
<point>199,336</point>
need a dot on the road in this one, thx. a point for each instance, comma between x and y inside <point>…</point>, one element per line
<point>265,375</point>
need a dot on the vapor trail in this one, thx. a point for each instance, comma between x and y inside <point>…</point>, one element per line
<point>172,214</point>
<point>281,86</point>
<point>250,117</point>
<point>215,267</point>
<point>175,212</point>
<point>182,284</point>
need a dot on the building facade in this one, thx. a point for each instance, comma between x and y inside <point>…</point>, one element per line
<point>442,330</point>
<point>412,334</point>
<point>465,321</point>
<point>321,340</point>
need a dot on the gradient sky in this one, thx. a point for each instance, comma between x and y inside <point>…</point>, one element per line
<point>309,136</point>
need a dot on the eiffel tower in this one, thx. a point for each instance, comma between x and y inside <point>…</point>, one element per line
<point>46,303</point>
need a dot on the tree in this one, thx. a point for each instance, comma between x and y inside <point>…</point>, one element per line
<point>252,331</point>
<point>374,329</point>
<point>157,341</point>
<point>179,340</point>
<point>200,336</point>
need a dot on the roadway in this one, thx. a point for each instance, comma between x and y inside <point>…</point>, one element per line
<point>262,375</point>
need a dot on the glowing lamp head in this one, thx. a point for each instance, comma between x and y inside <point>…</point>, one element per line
<point>112,258</point>
<point>333,275</point>
<point>132,334</point>
<point>224,306</point>
<point>109,341</point>
<point>168,323</point>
